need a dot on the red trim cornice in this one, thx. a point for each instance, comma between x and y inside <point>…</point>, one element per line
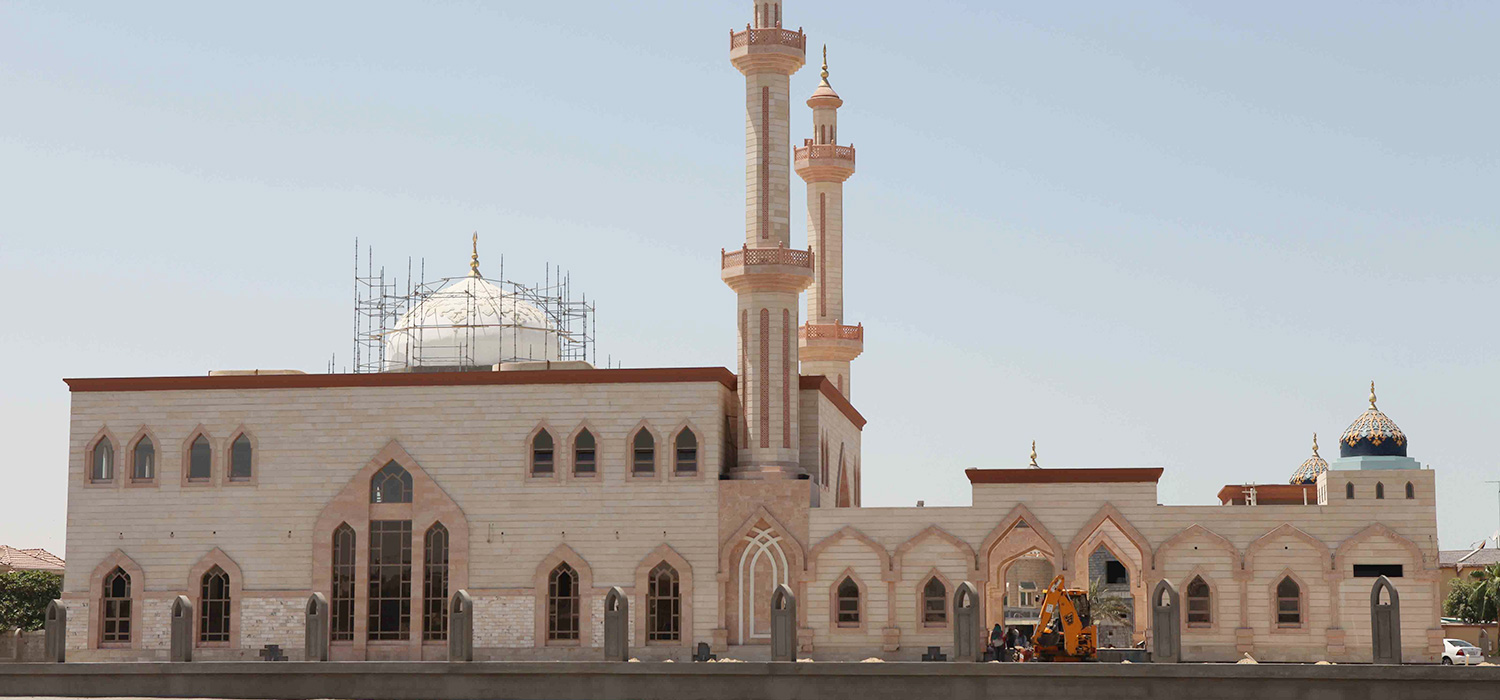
<point>336,381</point>
<point>1064,476</point>
<point>825,386</point>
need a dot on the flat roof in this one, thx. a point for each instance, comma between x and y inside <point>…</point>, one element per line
<point>1115,475</point>
<point>1271,494</point>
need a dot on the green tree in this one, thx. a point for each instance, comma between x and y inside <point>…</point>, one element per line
<point>1484,598</point>
<point>1457,603</point>
<point>1105,605</point>
<point>24,596</point>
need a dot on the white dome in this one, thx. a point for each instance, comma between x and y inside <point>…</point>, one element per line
<point>470,323</point>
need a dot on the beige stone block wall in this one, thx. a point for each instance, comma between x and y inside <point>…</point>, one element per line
<point>848,557</point>
<point>279,621</point>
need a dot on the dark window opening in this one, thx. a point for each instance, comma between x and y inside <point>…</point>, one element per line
<point>390,579</point>
<point>200,460</point>
<point>1377,570</point>
<point>1114,572</point>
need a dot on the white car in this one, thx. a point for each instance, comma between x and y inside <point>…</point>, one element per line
<point>1458,651</point>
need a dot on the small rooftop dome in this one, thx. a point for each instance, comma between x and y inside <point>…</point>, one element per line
<point>1372,434</point>
<point>1309,471</point>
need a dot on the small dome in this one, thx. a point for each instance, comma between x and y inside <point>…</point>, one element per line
<point>1372,434</point>
<point>471,322</point>
<point>1309,471</point>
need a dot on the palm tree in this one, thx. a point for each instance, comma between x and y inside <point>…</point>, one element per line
<point>1105,604</point>
<point>1484,601</point>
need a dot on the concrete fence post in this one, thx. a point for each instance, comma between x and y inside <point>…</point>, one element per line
<point>616,625</point>
<point>315,639</point>
<point>56,624</point>
<point>1385,623</point>
<point>783,624</point>
<point>966,623</point>
<point>182,629</point>
<point>1166,624</point>
<point>461,627</point>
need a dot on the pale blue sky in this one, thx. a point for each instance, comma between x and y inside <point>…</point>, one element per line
<point>1146,233</point>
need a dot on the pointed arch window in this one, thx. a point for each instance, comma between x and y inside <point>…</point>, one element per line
<point>663,605</point>
<point>1288,604</point>
<point>541,453</point>
<point>584,454</point>
<point>687,452</point>
<point>240,453</point>
<point>213,607</point>
<point>1349,491</point>
<point>562,604</point>
<point>847,608</point>
<point>1379,491</point>
<point>643,453</point>
<point>390,579</point>
<point>114,609</point>
<point>102,461</point>
<point>1410,492</point>
<point>1199,603</point>
<point>342,624</point>
<point>392,484</point>
<point>934,603</point>
<point>200,459</point>
<point>143,460</point>
<point>435,583</point>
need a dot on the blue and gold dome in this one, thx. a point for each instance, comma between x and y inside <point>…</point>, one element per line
<point>1372,434</point>
<point>1309,471</point>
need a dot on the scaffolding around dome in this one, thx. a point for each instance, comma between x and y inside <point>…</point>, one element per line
<point>464,323</point>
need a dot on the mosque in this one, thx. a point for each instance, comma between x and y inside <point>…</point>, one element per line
<point>536,482</point>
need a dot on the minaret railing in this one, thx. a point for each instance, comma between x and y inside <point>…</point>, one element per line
<point>767,36</point>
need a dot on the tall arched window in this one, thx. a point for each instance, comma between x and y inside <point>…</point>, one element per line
<point>114,609</point>
<point>342,625</point>
<point>392,484</point>
<point>663,605</point>
<point>435,583</point>
<point>541,453</point>
<point>213,607</point>
<point>823,468</point>
<point>643,453</point>
<point>1288,604</point>
<point>1379,491</point>
<point>934,603</point>
<point>1349,491</point>
<point>848,603</point>
<point>143,460</point>
<point>102,461</point>
<point>1410,492</point>
<point>584,454</point>
<point>687,452</point>
<point>240,452</point>
<point>1199,610</point>
<point>562,604</point>
<point>390,579</point>
<point>200,460</point>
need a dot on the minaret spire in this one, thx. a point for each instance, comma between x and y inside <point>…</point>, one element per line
<point>474,257</point>
<point>1033,464</point>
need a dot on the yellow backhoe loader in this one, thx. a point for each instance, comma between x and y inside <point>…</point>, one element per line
<point>1065,631</point>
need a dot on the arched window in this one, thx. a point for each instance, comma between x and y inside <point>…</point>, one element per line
<point>934,603</point>
<point>1379,491</point>
<point>102,461</point>
<point>1349,491</point>
<point>687,452</point>
<point>663,605</point>
<point>1199,610</point>
<point>1410,492</point>
<point>562,604</point>
<point>1288,604</point>
<point>143,460</point>
<point>392,484</point>
<point>342,625</point>
<point>848,603</point>
<point>390,579</point>
<point>213,607</point>
<point>200,459</point>
<point>435,583</point>
<point>240,452</point>
<point>541,454</point>
<point>823,468</point>
<point>583,454</point>
<point>115,609</point>
<point>643,451</point>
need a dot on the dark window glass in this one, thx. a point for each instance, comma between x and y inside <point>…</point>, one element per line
<point>583,453</point>
<point>435,583</point>
<point>143,463</point>
<point>1379,490</point>
<point>1410,492</point>
<point>1378,570</point>
<point>213,604</point>
<point>1288,603</point>
<point>342,626</point>
<point>239,458</point>
<point>390,579</point>
<point>541,453</point>
<point>934,603</point>
<point>664,605</point>
<point>200,460</point>
<point>562,604</point>
<point>1114,572</point>
<point>104,461</point>
<point>392,484</point>
<point>687,452</point>
<point>644,451</point>
<point>115,608</point>
<point>1349,491</point>
<point>1198,599</point>
<point>848,603</point>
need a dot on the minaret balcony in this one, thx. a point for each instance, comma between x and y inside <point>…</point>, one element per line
<point>830,341</point>
<point>767,48</point>
<point>823,161</point>
<point>767,269</point>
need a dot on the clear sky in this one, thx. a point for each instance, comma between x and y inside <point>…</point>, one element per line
<point>1145,233</point>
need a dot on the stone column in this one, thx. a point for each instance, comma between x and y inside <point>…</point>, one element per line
<point>182,629</point>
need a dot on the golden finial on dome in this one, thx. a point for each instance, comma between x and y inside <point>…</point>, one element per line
<point>474,258</point>
<point>1315,444</point>
<point>1372,395</point>
<point>1034,465</point>
<point>824,74</point>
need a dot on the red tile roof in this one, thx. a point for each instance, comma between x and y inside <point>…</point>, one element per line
<point>12,559</point>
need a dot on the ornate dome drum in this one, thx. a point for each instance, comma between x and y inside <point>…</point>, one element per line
<point>470,323</point>
<point>1309,471</point>
<point>1372,434</point>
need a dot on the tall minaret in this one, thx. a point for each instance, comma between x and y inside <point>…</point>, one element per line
<point>766,273</point>
<point>827,344</point>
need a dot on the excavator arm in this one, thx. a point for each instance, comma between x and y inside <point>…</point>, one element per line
<point>1064,630</point>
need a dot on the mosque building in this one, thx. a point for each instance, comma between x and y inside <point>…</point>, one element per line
<point>480,455</point>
